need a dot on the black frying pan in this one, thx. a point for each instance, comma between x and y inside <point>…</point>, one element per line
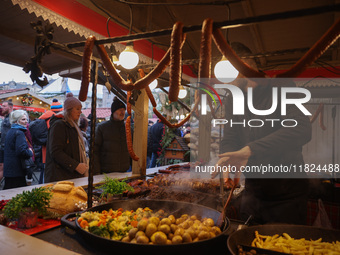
<point>246,236</point>
<point>172,207</point>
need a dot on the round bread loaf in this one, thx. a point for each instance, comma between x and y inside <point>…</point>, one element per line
<point>65,196</point>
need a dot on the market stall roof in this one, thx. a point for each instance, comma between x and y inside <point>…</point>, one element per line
<point>18,92</point>
<point>277,43</point>
<point>101,113</point>
<point>63,85</point>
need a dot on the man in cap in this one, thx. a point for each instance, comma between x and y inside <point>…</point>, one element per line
<point>110,149</point>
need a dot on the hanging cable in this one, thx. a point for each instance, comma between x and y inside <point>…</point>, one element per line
<point>131,19</point>
<point>107,26</point>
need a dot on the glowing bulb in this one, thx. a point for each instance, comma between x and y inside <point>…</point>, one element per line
<point>182,92</point>
<point>128,58</point>
<point>225,71</point>
<point>153,84</point>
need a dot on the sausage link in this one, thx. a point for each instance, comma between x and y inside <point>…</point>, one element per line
<point>228,52</point>
<point>86,68</point>
<point>162,118</point>
<point>129,139</point>
<point>194,109</point>
<point>157,71</point>
<point>317,112</point>
<point>175,61</point>
<point>128,104</point>
<point>147,89</point>
<point>117,79</point>
<point>315,52</point>
<point>205,50</point>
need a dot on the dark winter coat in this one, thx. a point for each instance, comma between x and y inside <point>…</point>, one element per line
<point>62,155</point>
<point>156,132</point>
<point>110,149</point>
<point>150,143</point>
<point>16,147</point>
<point>5,127</point>
<point>273,146</point>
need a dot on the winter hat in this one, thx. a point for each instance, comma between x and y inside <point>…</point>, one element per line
<point>71,102</point>
<point>117,104</point>
<point>56,106</point>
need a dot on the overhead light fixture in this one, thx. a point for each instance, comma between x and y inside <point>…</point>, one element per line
<point>225,71</point>
<point>153,84</point>
<point>182,92</point>
<point>128,58</point>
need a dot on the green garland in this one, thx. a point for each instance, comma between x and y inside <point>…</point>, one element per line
<point>27,100</point>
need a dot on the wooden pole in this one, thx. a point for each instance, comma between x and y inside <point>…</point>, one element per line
<point>140,133</point>
<point>94,77</point>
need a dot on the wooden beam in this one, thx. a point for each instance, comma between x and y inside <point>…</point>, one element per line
<point>140,133</point>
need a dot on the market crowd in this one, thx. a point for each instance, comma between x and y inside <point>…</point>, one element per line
<point>57,143</point>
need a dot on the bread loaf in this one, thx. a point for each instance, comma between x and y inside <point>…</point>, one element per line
<point>65,196</point>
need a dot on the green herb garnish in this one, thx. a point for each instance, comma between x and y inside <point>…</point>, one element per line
<point>37,199</point>
<point>114,186</point>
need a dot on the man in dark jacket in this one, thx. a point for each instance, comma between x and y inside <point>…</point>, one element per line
<point>277,197</point>
<point>110,149</point>
<point>6,109</point>
<point>156,133</point>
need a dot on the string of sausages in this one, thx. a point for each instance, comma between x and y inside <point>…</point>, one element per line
<point>310,56</point>
<point>173,57</point>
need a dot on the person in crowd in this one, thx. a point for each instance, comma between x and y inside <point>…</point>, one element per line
<point>186,129</point>
<point>6,109</point>
<point>65,154</point>
<point>28,137</point>
<point>88,130</point>
<point>156,132</point>
<point>83,124</point>
<point>41,130</point>
<point>16,149</point>
<point>279,198</point>
<point>149,148</point>
<point>110,149</point>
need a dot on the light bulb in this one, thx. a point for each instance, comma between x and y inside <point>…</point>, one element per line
<point>182,92</point>
<point>225,71</point>
<point>153,84</point>
<point>128,58</point>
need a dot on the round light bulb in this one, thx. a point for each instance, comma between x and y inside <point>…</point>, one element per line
<point>182,93</point>
<point>128,58</point>
<point>225,71</point>
<point>153,84</point>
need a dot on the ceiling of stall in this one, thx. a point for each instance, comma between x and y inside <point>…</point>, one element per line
<point>277,44</point>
